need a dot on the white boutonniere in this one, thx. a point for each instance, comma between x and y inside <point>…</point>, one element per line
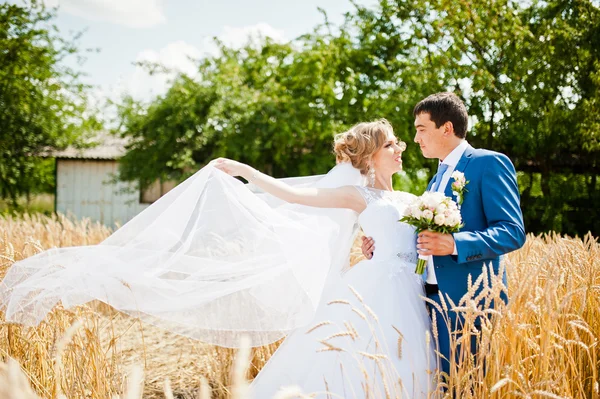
<point>458,186</point>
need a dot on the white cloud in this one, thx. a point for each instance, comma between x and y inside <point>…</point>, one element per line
<point>238,37</point>
<point>179,57</point>
<point>131,13</point>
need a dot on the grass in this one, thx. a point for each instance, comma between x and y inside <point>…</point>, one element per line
<point>36,203</point>
<point>543,343</point>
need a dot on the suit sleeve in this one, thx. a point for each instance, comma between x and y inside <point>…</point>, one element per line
<point>500,196</point>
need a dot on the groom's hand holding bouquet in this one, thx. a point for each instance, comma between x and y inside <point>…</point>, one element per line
<point>435,212</point>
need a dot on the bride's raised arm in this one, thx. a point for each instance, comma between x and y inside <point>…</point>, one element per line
<point>342,197</point>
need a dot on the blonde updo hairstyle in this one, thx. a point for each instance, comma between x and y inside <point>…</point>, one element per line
<point>361,142</point>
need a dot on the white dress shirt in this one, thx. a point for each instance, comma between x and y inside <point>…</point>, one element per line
<point>451,160</point>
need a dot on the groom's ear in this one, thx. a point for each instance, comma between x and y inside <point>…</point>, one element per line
<point>448,129</point>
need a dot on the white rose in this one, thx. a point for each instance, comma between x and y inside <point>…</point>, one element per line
<point>410,210</point>
<point>456,218</point>
<point>458,176</point>
<point>439,219</point>
<point>432,200</point>
<point>417,213</point>
<point>453,219</point>
<point>439,197</point>
<point>427,200</point>
<point>427,214</point>
<point>441,208</point>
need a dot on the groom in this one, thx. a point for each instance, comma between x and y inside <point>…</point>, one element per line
<point>493,222</point>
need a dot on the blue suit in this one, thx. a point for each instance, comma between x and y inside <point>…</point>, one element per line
<point>493,226</point>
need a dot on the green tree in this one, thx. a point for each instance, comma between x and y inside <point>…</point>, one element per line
<point>42,103</point>
<point>277,106</point>
<point>531,73</point>
<point>528,72</point>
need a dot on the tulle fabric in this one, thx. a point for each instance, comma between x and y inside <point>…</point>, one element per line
<point>214,259</point>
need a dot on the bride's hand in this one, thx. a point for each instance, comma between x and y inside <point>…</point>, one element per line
<point>231,167</point>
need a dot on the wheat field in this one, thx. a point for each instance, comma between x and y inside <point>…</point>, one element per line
<point>542,344</point>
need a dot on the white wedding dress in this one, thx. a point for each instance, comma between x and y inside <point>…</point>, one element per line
<point>372,335</point>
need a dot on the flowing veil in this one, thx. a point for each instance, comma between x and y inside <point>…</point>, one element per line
<point>212,259</point>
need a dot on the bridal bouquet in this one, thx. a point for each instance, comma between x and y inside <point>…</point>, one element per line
<point>432,211</point>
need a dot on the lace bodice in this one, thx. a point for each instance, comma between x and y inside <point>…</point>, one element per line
<point>393,239</point>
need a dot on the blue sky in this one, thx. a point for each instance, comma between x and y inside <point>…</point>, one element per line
<point>168,31</point>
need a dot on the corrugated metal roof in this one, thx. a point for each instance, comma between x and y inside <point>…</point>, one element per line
<point>108,146</point>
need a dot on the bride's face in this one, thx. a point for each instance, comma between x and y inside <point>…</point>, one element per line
<point>388,159</point>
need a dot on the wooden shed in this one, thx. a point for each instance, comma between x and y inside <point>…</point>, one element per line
<point>86,185</point>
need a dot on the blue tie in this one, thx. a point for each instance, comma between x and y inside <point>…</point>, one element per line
<point>437,179</point>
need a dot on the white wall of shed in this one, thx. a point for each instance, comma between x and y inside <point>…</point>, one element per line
<point>84,188</point>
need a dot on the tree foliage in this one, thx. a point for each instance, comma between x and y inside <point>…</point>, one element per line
<point>275,106</point>
<point>42,102</point>
<point>529,73</point>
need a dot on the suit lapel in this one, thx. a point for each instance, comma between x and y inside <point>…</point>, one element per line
<point>460,167</point>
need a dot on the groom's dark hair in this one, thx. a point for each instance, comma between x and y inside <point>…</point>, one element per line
<point>445,107</point>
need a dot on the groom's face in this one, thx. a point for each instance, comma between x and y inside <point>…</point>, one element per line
<point>428,136</point>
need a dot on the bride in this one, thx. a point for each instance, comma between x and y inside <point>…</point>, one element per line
<point>214,260</point>
<point>370,334</point>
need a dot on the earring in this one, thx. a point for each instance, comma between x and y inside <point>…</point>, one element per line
<point>372,177</point>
